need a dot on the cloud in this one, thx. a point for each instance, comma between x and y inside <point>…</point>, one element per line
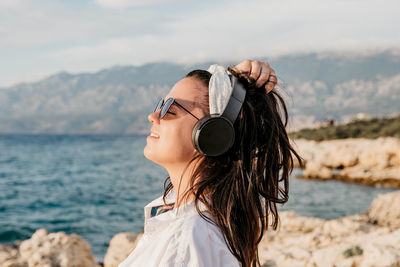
<point>129,3</point>
<point>55,26</point>
<point>250,29</point>
<point>51,36</point>
<point>10,3</point>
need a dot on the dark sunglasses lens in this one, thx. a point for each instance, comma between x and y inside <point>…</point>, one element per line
<point>159,104</point>
<point>166,107</point>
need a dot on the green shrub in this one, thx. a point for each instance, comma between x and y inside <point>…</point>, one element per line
<point>353,251</point>
<point>369,128</point>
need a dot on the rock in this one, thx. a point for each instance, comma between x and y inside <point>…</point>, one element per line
<point>342,242</point>
<point>370,239</point>
<point>387,177</point>
<point>315,169</point>
<point>120,247</point>
<point>48,250</point>
<point>368,161</point>
<point>385,210</point>
<point>381,249</point>
<point>374,249</point>
<point>9,255</point>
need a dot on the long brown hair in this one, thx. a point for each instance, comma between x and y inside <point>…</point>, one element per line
<point>241,187</point>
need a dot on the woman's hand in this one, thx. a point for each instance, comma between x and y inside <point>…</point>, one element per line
<point>261,72</point>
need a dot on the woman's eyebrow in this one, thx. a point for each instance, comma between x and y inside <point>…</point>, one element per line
<point>186,103</point>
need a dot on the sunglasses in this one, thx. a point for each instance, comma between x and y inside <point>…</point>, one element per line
<point>164,106</point>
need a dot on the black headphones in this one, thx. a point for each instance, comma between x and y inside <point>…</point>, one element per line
<point>213,135</point>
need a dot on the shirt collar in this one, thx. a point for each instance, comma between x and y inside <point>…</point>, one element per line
<point>176,212</point>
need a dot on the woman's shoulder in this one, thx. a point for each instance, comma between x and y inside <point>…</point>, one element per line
<point>202,227</point>
<point>197,222</point>
<point>201,241</point>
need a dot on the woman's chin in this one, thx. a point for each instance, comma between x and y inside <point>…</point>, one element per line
<point>149,154</point>
<point>146,152</point>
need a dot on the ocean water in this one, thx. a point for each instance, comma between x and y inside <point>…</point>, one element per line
<point>97,185</point>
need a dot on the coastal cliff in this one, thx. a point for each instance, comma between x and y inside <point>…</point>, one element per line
<point>359,160</point>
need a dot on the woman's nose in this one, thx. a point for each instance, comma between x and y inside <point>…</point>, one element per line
<point>154,117</point>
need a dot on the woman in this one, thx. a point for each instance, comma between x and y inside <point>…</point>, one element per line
<point>216,204</point>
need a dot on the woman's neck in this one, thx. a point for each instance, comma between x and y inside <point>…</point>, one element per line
<point>180,180</point>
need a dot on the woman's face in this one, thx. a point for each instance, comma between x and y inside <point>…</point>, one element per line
<point>173,144</point>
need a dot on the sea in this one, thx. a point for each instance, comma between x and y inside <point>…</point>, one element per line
<point>97,185</point>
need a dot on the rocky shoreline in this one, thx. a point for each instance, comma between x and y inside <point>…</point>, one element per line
<point>367,161</point>
<point>369,239</point>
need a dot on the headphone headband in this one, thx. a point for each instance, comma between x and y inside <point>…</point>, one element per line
<point>235,101</point>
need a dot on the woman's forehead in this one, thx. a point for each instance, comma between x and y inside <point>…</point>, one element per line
<point>186,92</point>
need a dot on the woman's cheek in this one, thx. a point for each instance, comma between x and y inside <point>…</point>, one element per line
<point>186,139</point>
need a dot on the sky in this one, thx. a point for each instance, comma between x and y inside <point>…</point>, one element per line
<point>43,37</point>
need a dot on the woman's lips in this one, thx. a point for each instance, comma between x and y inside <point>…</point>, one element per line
<point>154,135</point>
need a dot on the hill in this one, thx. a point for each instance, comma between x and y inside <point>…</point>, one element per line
<point>118,99</point>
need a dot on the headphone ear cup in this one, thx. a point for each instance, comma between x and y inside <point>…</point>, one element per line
<point>213,136</point>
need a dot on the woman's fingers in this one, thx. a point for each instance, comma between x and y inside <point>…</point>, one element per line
<point>243,67</point>
<point>261,72</point>
<point>264,74</point>
<point>255,70</point>
<point>271,82</point>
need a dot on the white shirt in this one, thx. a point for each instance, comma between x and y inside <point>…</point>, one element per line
<point>179,237</point>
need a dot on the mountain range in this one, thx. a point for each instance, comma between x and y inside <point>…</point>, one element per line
<point>117,100</point>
